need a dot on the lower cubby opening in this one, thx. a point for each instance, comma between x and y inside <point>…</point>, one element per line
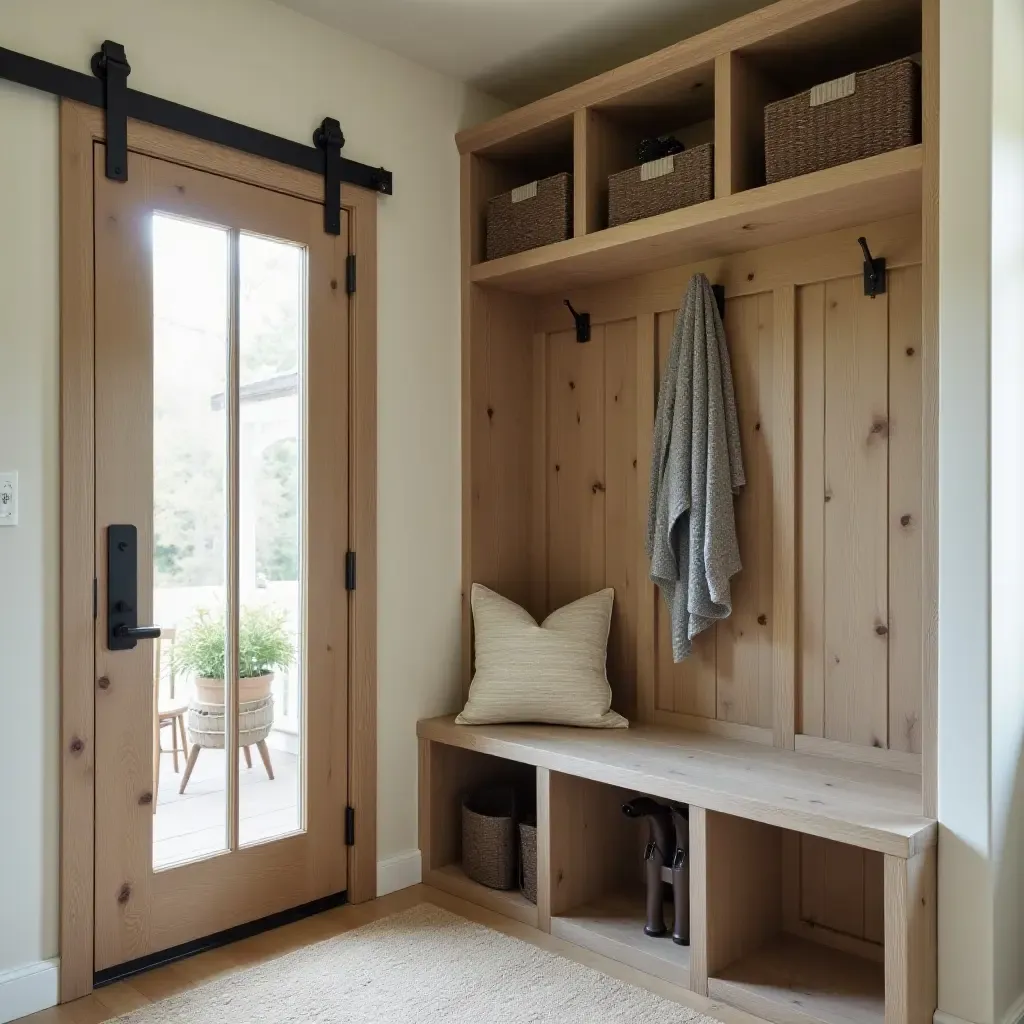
<point>770,895</point>
<point>598,899</point>
<point>447,776</point>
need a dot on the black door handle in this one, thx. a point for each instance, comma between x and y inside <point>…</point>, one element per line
<point>123,629</point>
<point>137,632</point>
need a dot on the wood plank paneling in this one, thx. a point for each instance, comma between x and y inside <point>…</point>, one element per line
<point>625,516</point>
<point>744,640</point>
<point>906,549</point>
<point>856,514</point>
<point>576,471</point>
<point>811,529</point>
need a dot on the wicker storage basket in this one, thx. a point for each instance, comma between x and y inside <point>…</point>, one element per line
<point>671,183</point>
<point>206,723</point>
<point>528,860</point>
<point>847,119</point>
<point>536,214</point>
<point>489,838</point>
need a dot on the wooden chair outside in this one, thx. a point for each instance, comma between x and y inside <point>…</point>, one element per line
<point>170,710</point>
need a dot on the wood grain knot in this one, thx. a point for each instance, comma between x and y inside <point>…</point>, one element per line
<point>750,277</point>
<point>905,520</point>
<point>757,425</point>
<point>334,284</point>
<point>146,799</point>
<point>762,620</point>
<point>828,497</point>
<point>910,350</point>
<point>881,629</point>
<point>634,463</point>
<point>124,894</point>
<point>880,427</point>
<point>558,468</point>
<point>103,683</point>
<point>76,746</point>
<point>572,385</point>
<point>490,413</point>
<point>598,487</point>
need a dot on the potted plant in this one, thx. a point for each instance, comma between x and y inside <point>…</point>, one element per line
<point>264,644</point>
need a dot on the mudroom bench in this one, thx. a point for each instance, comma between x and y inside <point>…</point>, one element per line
<point>767,827</point>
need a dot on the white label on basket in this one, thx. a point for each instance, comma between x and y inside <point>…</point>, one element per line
<point>657,168</point>
<point>524,192</point>
<point>837,89</point>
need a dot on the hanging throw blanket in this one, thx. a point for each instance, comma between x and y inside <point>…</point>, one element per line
<point>696,469</point>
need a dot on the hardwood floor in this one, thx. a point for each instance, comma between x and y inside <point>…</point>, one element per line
<point>124,996</point>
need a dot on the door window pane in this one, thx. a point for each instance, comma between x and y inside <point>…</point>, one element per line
<point>190,348</point>
<point>272,309</point>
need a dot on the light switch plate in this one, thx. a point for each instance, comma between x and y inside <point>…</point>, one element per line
<point>9,499</point>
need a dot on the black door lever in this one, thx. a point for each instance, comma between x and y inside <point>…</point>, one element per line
<point>137,632</point>
<point>123,629</point>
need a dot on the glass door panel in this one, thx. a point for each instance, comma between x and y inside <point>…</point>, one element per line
<point>190,535</point>
<point>272,576</point>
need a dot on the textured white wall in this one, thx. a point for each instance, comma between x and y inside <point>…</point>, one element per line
<point>981,464</point>
<point>254,62</point>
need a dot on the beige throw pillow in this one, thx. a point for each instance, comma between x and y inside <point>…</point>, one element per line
<point>552,673</point>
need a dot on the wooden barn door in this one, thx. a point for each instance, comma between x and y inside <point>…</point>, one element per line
<point>222,449</point>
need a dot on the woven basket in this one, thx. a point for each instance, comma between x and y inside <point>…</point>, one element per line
<point>536,214</point>
<point>205,723</point>
<point>528,860</point>
<point>489,838</point>
<point>680,180</point>
<point>847,119</point>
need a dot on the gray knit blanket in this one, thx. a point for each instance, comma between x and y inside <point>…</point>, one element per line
<point>696,469</point>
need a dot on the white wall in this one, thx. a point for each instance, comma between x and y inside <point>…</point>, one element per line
<point>254,62</point>
<point>981,465</point>
<point>1007,443</point>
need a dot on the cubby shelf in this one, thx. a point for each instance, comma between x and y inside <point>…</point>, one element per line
<point>792,981</point>
<point>452,879</point>
<point>613,926</point>
<point>858,193</point>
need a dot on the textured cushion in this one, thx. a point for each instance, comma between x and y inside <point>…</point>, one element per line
<point>552,673</point>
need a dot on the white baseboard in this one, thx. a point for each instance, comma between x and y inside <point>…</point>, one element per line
<point>30,989</point>
<point>941,1017</point>
<point>399,872</point>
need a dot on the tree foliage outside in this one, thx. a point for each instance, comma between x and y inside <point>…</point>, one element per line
<point>190,428</point>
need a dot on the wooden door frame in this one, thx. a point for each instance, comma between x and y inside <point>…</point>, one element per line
<point>81,127</point>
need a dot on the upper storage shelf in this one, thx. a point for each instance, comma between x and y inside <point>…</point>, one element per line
<point>709,92</point>
<point>868,190</point>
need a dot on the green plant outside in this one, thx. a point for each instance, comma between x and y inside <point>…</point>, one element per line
<point>264,644</point>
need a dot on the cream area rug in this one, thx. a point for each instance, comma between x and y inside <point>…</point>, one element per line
<point>422,966</point>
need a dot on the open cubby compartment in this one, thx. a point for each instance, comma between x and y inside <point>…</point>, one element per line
<point>850,940</point>
<point>447,775</point>
<point>847,40</point>
<point>608,134</point>
<point>512,163</point>
<point>596,872</point>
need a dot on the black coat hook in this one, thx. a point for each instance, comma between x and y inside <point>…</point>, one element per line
<point>582,323</point>
<point>719,291</point>
<point>874,271</point>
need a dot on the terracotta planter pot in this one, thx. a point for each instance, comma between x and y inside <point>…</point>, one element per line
<point>211,691</point>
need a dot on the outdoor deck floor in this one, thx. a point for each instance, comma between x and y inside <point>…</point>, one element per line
<point>191,825</point>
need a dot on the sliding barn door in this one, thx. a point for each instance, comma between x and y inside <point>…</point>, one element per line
<point>222,524</point>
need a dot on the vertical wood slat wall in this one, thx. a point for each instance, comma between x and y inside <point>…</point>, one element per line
<point>560,471</point>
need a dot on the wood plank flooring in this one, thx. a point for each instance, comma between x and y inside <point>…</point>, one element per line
<point>162,982</point>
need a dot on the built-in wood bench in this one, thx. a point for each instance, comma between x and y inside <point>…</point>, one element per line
<point>749,806</point>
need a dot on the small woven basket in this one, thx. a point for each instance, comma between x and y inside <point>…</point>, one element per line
<point>206,723</point>
<point>536,214</point>
<point>844,120</point>
<point>528,860</point>
<point>662,185</point>
<point>489,838</point>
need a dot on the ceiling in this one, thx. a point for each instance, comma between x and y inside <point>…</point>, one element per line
<point>519,50</point>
